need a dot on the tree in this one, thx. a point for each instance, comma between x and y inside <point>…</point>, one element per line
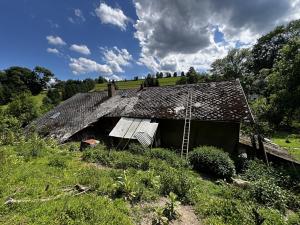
<point>182,74</point>
<point>175,74</point>
<point>265,51</point>
<point>23,108</point>
<point>168,74</point>
<point>45,75</point>
<point>284,82</point>
<point>101,80</point>
<point>191,77</point>
<point>54,96</point>
<point>135,78</point>
<point>151,81</point>
<point>159,75</point>
<point>234,65</point>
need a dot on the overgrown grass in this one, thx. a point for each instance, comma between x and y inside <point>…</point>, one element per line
<point>37,169</point>
<point>289,141</point>
<point>136,83</point>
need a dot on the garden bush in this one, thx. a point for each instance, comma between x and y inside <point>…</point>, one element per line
<point>212,160</point>
<point>135,148</point>
<point>170,157</point>
<point>268,193</point>
<point>116,159</point>
<point>58,161</point>
<point>176,181</point>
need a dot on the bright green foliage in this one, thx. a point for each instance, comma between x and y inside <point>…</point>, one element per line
<point>167,213</point>
<point>268,193</point>
<point>176,181</point>
<point>127,188</point>
<point>116,159</point>
<point>9,128</point>
<point>167,155</point>
<point>23,108</point>
<point>212,160</point>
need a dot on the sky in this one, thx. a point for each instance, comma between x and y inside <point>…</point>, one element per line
<point>118,39</point>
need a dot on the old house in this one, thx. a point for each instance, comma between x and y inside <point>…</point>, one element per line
<point>155,115</point>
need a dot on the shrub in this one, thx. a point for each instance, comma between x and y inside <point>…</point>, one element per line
<point>127,188</point>
<point>212,160</point>
<point>137,149</point>
<point>268,193</point>
<point>170,157</point>
<point>116,159</point>
<point>23,108</point>
<point>57,161</point>
<point>176,181</point>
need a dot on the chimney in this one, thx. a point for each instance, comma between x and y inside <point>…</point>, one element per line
<point>111,88</point>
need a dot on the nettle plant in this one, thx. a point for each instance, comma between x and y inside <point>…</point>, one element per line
<point>126,187</point>
<point>167,213</point>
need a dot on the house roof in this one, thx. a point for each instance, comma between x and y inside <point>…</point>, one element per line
<point>212,101</point>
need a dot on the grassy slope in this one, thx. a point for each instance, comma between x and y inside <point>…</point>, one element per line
<point>136,83</point>
<point>23,177</point>
<point>289,141</point>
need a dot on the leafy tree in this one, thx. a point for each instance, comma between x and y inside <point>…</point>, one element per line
<point>72,87</point>
<point>54,96</point>
<point>284,81</point>
<point>135,78</point>
<point>234,65</point>
<point>44,75</point>
<point>168,74</point>
<point>101,80</point>
<point>265,51</point>
<point>159,75</point>
<point>23,108</point>
<point>191,77</point>
<point>175,74</point>
<point>151,81</point>
<point>182,74</point>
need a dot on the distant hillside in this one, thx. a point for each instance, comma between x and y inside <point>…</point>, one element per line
<point>136,83</point>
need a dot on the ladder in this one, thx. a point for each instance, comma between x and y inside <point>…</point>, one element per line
<point>187,127</point>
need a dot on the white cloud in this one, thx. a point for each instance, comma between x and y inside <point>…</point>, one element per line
<point>83,65</point>
<point>55,40</point>
<point>53,50</point>
<point>79,14</point>
<point>83,49</point>
<point>117,58</point>
<point>113,77</point>
<point>176,34</point>
<point>109,15</point>
<point>114,60</point>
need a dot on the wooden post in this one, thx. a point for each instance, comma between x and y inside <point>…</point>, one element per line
<point>262,148</point>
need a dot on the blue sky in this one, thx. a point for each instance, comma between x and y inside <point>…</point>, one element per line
<point>77,39</point>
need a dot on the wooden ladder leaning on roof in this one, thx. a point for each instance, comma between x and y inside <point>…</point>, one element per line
<point>187,126</point>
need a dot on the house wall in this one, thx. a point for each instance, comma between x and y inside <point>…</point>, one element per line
<point>224,135</point>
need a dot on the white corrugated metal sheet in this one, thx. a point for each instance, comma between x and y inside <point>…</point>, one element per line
<point>132,128</point>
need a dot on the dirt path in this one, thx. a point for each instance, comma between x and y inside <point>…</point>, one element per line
<point>186,212</point>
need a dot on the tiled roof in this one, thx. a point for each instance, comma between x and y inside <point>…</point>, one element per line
<point>213,101</point>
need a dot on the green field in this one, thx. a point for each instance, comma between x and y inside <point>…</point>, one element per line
<point>291,142</point>
<point>136,83</point>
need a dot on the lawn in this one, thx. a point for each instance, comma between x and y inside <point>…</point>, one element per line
<point>121,187</point>
<point>136,83</point>
<point>289,141</point>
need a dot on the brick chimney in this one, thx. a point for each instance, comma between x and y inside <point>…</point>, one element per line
<point>111,88</point>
